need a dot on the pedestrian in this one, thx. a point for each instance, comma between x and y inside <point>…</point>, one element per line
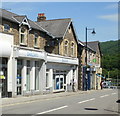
<point>101,85</point>
<point>74,85</point>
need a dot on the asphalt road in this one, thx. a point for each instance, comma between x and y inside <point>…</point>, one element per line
<point>93,102</point>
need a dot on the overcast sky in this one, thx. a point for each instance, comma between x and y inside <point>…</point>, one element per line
<point>103,16</point>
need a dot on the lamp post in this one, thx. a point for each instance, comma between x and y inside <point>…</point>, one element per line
<point>93,32</point>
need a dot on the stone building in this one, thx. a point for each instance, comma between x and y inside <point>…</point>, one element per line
<point>36,56</point>
<point>87,77</point>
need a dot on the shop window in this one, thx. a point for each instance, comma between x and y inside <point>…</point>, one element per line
<point>23,35</point>
<point>6,27</point>
<point>36,40</point>
<point>66,47</point>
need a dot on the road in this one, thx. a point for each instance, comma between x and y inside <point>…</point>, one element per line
<point>93,102</point>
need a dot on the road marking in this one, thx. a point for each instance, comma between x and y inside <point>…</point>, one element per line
<point>52,110</point>
<point>86,100</point>
<point>104,96</point>
<point>114,93</point>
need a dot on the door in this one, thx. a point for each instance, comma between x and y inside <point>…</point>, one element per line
<point>61,82</point>
<point>19,81</point>
<point>57,82</point>
<point>3,82</point>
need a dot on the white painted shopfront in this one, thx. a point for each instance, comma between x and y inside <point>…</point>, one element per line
<point>31,70</point>
<point>60,72</point>
<point>26,71</point>
<point>6,64</point>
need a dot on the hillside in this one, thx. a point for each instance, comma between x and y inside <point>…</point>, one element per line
<point>109,47</point>
<point>110,58</point>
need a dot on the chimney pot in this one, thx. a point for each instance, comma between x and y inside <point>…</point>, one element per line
<point>41,17</point>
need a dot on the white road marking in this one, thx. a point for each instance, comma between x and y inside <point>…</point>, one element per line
<point>86,100</point>
<point>104,96</point>
<point>114,93</point>
<point>52,110</point>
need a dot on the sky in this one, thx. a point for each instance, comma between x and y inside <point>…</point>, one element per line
<point>102,16</point>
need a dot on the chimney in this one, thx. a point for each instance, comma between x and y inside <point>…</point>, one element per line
<point>41,17</point>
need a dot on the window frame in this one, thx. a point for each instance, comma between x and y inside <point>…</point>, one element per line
<point>25,34</point>
<point>36,36</point>
<point>72,48</point>
<point>6,25</point>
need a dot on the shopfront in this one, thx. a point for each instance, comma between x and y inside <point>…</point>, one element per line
<point>6,42</point>
<point>60,72</point>
<point>29,71</point>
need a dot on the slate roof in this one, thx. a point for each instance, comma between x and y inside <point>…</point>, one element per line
<point>56,27</point>
<point>93,45</point>
<point>18,19</point>
<point>84,44</point>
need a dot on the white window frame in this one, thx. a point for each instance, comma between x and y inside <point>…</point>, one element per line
<point>25,36</point>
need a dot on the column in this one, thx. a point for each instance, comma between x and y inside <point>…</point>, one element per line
<point>76,77</point>
<point>42,76</point>
<point>51,80</point>
<point>12,75</point>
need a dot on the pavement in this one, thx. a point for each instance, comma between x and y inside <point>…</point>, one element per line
<point>18,99</point>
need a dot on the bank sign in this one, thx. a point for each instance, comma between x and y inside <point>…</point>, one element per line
<point>31,54</point>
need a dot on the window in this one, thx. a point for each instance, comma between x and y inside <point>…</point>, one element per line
<point>6,27</point>
<point>47,79</point>
<point>23,35</point>
<point>66,47</point>
<point>72,49</point>
<point>36,40</point>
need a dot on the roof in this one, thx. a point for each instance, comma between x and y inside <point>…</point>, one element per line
<point>93,45</point>
<point>56,27</point>
<point>84,44</point>
<point>19,18</point>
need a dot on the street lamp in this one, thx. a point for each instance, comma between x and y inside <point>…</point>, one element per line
<point>93,32</point>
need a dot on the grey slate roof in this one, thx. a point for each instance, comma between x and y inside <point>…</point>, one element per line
<point>56,27</point>
<point>18,19</point>
<point>94,45</point>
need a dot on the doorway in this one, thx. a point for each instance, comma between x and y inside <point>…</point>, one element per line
<point>3,77</point>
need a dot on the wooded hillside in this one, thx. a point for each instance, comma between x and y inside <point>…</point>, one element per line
<point>110,58</point>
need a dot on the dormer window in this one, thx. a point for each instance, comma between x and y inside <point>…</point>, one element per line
<point>72,49</point>
<point>36,40</point>
<point>23,35</point>
<point>6,27</point>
